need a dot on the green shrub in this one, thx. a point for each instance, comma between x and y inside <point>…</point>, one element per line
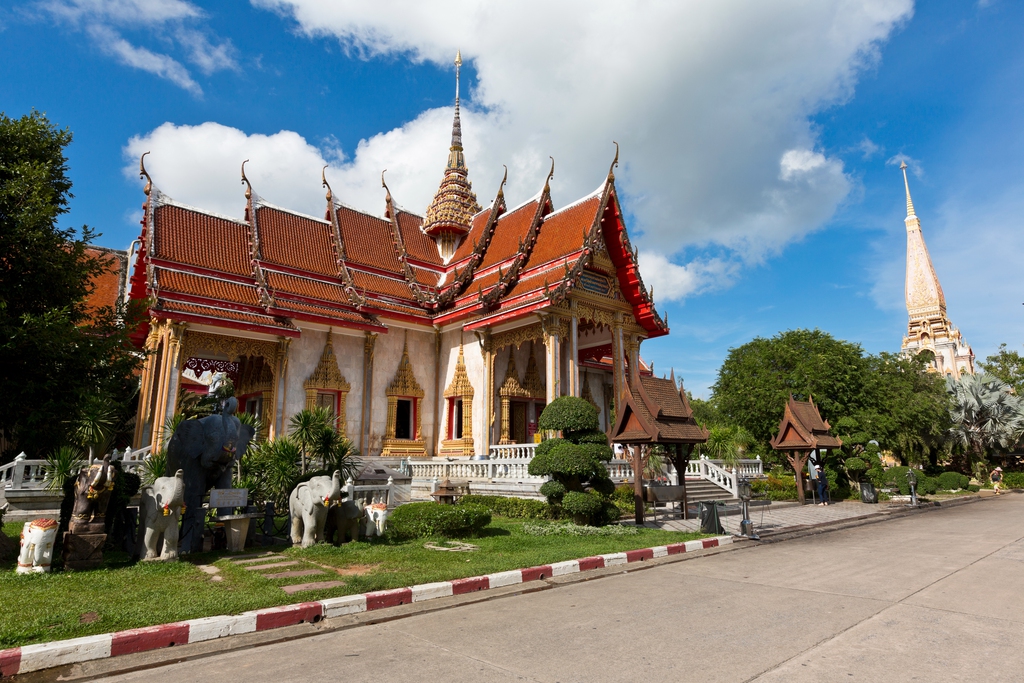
<point>951,481</point>
<point>927,485</point>
<point>569,415</point>
<point>973,488</point>
<point>553,491</point>
<point>416,520</point>
<point>518,508</point>
<point>855,466</point>
<point>775,487</point>
<point>1013,480</point>
<point>582,506</point>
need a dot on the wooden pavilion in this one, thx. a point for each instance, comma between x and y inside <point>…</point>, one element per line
<point>656,412</point>
<point>802,432</point>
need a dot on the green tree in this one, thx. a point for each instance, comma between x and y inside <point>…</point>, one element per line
<point>1006,365</point>
<point>54,353</point>
<point>986,415</point>
<point>575,462</point>
<point>756,379</point>
<point>905,408</point>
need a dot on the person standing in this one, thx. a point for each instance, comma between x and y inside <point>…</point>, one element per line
<point>997,479</point>
<point>822,484</point>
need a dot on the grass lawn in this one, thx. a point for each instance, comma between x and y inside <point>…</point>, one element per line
<point>43,607</point>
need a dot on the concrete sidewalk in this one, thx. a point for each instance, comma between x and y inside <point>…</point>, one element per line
<point>786,516</point>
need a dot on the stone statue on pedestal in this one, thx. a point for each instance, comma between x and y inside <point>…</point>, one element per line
<point>83,542</point>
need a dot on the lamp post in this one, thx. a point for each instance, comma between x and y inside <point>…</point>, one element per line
<point>912,481</point>
<point>745,493</point>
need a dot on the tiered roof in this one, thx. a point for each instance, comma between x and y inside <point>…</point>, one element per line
<point>802,428</point>
<point>656,411</point>
<point>276,267</point>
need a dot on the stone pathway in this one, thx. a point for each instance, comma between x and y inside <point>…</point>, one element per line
<point>299,569</point>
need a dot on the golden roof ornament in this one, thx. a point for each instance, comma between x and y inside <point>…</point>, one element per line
<point>245,181</point>
<point>143,174</point>
<point>449,215</point>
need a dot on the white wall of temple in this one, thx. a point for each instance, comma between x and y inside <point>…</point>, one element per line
<point>304,355</point>
<point>387,355</point>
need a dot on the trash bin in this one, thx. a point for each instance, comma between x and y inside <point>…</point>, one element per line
<point>708,515</point>
<point>868,494</point>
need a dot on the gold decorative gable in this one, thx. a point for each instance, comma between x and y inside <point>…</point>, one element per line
<point>460,385</point>
<point>404,383</point>
<point>460,388</point>
<point>327,377</point>
<point>510,386</point>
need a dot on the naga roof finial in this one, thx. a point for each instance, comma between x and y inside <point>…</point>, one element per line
<point>910,203</point>
<point>385,186</point>
<point>245,181</point>
<point>323,179</point>
<point>143,174</point>
<point>615,162</point>
<point>551,174</point>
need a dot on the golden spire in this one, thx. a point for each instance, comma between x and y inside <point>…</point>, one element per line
<point>910,204</point>
<point>454,205</point>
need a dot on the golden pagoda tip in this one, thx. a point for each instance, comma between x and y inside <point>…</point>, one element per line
<point>458,58</point>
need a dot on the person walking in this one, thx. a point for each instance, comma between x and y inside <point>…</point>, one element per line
<point>822,484</point>
<point>997,479</point>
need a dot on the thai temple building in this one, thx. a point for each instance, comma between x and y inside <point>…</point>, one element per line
<point>435,335</point>
<point>929,328</point>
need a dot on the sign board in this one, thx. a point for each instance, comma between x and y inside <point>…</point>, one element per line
<point>229,498</point>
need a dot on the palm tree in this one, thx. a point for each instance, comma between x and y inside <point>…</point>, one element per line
<point>96,425</point>
<point>307,427</point>
<point>985,415</point>
<point>726,443</point>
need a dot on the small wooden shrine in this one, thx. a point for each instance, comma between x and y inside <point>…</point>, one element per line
<point>656,412</point>
<point>802,432</point>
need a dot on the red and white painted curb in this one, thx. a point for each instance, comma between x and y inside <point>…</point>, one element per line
<point>28,658</point>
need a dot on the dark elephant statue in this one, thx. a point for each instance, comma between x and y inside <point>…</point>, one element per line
<point>205,450</point>
<point>343,522</point>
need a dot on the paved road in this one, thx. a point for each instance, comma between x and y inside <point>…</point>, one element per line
<point>929,597</point>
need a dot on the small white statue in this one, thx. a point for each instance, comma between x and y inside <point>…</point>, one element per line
<point>308,506</point>
<point>376,518</point>
<point>160,510</point>
<point>37,539</point>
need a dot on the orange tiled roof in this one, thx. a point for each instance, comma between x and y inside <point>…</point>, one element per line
<point>296,241</point>
<point>191,237</point>
<point>107,287</point>
<point>208,287</point>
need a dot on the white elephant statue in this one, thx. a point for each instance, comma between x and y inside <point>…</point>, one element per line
<point>37,539</point>
<point>160,510</point>
<point>308,506</point>
<point>376,519</point>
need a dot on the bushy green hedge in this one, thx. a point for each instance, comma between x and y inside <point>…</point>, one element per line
<point>518,508</point>
<point>775,488</point>
<point>1013,480</point>
<point>416,520</point>
<point>951,481</point>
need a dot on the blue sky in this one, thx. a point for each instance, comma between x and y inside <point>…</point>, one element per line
<point>759,153</point>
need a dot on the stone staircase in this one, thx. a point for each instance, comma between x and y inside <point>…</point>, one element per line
<point>701,490</point>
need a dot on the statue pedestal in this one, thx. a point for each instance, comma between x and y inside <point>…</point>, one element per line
<point>83,550</point>
<point>236,528</point>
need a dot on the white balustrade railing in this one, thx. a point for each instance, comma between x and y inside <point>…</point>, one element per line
<point>371,493</point>
<point>23,473</point>
<point>619,470</point>
<point>513,451</point>
<point>507,469</point>
<point>709,471</point>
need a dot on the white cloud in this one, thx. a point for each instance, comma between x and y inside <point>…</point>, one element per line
<point>107,21</point>
<point>913,164</point>
<point>869,148</point>
<point>201,166</point>
<point>140,58</point>
<point>673,282</point>
<point>710,102</point>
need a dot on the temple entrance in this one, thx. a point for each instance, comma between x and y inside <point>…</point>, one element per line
<point>518,422</point>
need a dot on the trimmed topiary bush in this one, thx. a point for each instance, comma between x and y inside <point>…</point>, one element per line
<point>856,467</point>
<point>571,416</point>
<point>416,520</point>
<point>582,506</point>
<point>518,508</point>
<point>951,481</point>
